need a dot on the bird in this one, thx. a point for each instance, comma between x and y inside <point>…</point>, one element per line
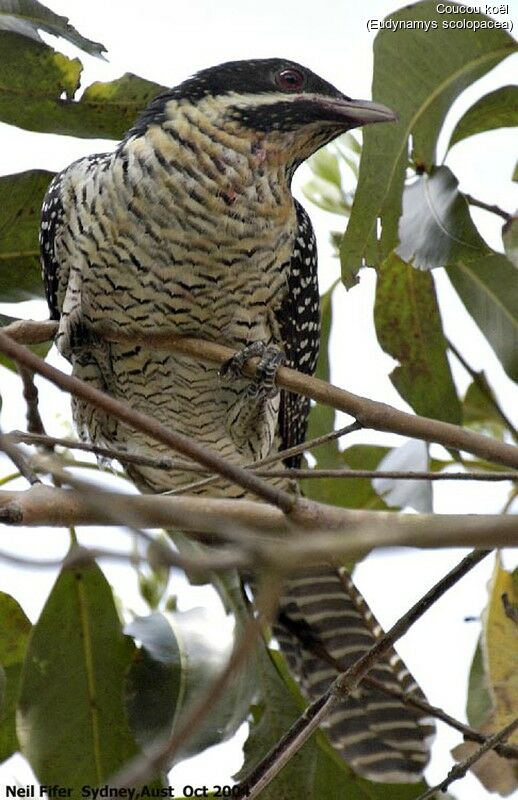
<point>190,227</point>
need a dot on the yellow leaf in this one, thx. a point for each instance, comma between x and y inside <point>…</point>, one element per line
<point>500,648</point>
<point>500,656</point>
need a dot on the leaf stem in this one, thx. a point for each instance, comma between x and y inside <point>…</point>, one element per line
<point>480,381</point>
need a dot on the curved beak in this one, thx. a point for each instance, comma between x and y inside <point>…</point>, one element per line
<point>360,112</point>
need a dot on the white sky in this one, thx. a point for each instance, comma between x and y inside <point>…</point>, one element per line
<point>167,41</point>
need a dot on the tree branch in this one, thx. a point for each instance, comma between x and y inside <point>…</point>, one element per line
<point>314,532</point>
<point>218,560</point>
<point>18,458</point>
<point>106,452</point>
<point>282,454</point>
<point>314,715</point>
<point>319,649</point>
<point>459,770</point>
<point>169,463</point>
<point>259,467</point>
<point>506,751</point>
<point>30,395</point>
<point>138,421</point>
<point>368,413</point>
<point>494,209</point>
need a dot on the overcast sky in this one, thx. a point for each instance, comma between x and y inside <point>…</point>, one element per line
<point>166,42</point>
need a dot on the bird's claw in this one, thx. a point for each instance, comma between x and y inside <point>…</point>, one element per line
<point>263,384</point>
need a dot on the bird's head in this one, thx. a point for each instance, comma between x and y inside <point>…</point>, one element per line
<point>284,106</point>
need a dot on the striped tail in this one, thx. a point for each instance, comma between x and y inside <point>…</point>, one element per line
<point>325,625</point>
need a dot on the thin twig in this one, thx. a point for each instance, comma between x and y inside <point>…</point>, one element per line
<point>392,474</point>
<point>260,466</point>
<point>480,381</point>
<point>368,413</point>
<point>317,647</point>
<point>218,560</point>
<point>310,444</point>
<point>106,452</point>
<point>280,456</point>
<point>506,751</point>
<point>142,422</point>
<point>160,756</point>
<point>459,770</point>
<point>165,463</point>
<point>314,715</point>
<point>30,394</point>
<point>494,209</point>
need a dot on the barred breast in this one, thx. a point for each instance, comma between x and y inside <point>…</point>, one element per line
<point>188,238</point>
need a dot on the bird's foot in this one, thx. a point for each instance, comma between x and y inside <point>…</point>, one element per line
<point>263,384</point>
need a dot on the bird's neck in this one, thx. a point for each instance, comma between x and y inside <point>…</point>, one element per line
<point>235,166</point>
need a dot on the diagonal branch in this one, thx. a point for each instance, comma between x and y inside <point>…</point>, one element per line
<point>317,647</point>
<point>138,421</point>
<point>368,413</point>
<point>470,734</point>
<point>480,380</point>
<point>459,771</point>
<point>314,715</point>
<point>160,755</point>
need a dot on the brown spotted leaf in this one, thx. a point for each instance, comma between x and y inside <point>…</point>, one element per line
<point>409,328</point>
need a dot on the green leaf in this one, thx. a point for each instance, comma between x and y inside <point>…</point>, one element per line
<point>203,661</point>
<point>324,164</point>
<point>153,576</point>
<point>359,492</point>
<point>436,229</point>
<point>33,78</point>
<point>418,73</point>
<point>278,709</point>
<point>325,187</point>
<point>71,721</point>
<point>21,197</point>
<point>348,492</point>
<point>178,662</point>
<point>154,681</point>
<point>479,413</point>
<point>15,627</point>
<point>510,240</point>
<point>498,109</point>
<point>27,17</point>
<point>107,110</point>
<point>409,328</point>
<point>488,287</point>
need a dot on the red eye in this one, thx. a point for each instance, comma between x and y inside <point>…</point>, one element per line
<point>289,80</point>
